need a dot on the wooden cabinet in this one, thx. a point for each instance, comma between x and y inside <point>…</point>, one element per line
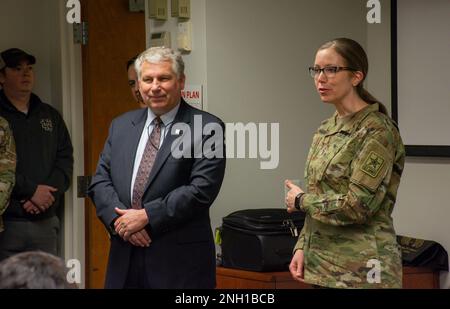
<point>228,278</point>
<point>420,278</point>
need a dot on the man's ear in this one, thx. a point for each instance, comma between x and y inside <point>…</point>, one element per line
<point>139,89</point>
<point>358,77</point>
<point>182,80</point>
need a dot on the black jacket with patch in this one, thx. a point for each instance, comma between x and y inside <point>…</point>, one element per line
<point>44,154</point>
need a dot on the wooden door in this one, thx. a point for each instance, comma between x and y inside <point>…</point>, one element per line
<point>115,35</point>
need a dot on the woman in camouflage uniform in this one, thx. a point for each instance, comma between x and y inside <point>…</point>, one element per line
<point>352,172</point>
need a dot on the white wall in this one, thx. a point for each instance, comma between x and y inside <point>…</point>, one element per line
<point>32,26</point>
<point>379,54</point>
<point>71,89</point>
<point>424,46</point>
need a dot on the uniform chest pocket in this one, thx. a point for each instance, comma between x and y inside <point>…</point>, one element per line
<point>333,158</point>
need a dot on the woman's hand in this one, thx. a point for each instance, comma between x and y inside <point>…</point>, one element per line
<point>290,196</point>
<point>297,266</point>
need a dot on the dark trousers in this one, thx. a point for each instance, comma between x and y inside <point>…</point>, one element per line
<point>137,277</point>
<point>22,236</point>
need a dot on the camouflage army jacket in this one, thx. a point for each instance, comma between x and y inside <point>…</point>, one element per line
<point>7,166</point>
<point>352,172</point>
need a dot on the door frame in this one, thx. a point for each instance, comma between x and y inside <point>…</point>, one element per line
<point>72,113</point>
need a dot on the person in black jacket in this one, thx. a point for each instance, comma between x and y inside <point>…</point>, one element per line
<point>44,160</point>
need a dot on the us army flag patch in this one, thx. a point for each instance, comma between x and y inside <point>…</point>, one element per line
<point>372,165</point>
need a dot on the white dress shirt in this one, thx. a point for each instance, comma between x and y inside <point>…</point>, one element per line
<point>166,122</point>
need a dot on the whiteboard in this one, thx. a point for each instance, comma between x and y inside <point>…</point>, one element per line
<point>423,73</point>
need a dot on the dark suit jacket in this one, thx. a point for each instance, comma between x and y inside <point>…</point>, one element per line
<point>177,199</point>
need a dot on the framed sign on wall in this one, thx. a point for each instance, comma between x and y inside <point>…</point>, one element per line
<point>420,34</point>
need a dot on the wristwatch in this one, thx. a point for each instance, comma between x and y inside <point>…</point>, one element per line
<point>298,200</point>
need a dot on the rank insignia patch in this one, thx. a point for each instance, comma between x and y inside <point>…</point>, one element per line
<point>373,164</point>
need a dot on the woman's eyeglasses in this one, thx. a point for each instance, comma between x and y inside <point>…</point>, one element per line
<point>329,72</point>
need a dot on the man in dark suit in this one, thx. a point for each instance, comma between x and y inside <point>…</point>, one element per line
<point>153,187</point>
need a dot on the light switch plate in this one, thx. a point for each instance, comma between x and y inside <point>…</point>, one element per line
<point>158,9</point>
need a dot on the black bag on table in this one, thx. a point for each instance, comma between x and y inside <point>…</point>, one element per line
<point>260,239</point>
<point>423,253</point>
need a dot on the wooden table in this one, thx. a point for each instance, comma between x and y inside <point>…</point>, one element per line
<point>228,278</point>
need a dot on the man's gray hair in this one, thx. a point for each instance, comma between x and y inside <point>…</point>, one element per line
<point>33,270</point>
<point>157,55</point>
